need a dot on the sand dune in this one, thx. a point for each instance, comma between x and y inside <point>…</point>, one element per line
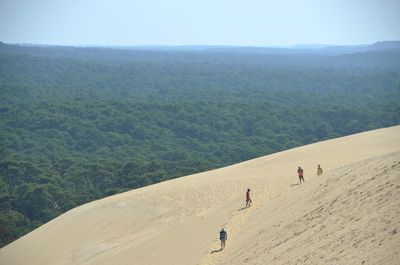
<point>348,215</point>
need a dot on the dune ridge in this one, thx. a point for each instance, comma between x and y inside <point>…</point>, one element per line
<point>177,221</point>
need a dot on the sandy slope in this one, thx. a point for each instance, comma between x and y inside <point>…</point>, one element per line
<point>349,215</point>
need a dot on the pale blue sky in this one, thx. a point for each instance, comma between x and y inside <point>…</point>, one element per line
<point>202,22</point>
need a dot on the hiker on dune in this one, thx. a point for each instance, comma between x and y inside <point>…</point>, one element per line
<point>223,236</point>
<point>319,171</point>
<point>248,199</point>
<point>300,171</point>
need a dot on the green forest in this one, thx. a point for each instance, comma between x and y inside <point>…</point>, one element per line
<point>79,124</point>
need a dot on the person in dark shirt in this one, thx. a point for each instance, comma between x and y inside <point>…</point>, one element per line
<point>223,236</point>
<point>300,171</point>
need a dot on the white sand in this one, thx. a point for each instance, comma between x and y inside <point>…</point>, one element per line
<point>349,215</point>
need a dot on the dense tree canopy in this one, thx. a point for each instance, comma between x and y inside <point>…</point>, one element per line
<point>80,124</point>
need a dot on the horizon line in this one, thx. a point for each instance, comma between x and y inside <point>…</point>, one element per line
<point>298,45</point>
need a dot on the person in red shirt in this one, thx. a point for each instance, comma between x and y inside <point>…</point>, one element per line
<point>248,200</point>
<point>300,171</point>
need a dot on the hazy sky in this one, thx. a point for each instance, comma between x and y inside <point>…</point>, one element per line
<point>203,22</point>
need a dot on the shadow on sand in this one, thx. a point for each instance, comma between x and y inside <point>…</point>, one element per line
<point>244,208</point>
<point>295,184</point>
<point>216,251</point>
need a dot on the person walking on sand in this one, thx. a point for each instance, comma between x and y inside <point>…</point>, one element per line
<point>248,199</point>
<point>300,171</point>
<point>223,236</point>
<point>319,171</point>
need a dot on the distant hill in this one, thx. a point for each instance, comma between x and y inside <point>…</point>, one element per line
<point>385,45</point>
<point>379,46</point>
